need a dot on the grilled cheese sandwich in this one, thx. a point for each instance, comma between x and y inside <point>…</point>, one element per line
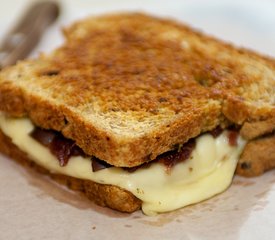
<point>150,100</point>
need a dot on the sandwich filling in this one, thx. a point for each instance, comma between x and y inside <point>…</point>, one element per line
<point>207,171</point>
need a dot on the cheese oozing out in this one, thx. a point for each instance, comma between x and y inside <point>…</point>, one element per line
<point>208,171</point>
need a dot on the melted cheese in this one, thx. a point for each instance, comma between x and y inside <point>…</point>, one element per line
<point>207,172</point>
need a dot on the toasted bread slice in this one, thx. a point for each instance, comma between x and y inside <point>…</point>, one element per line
<point>128,87</point>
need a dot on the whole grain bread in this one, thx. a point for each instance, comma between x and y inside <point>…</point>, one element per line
<point>258,157</point>
<point>252,130</point>
<point>128,87</point>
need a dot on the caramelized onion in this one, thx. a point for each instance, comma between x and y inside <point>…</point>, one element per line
<point>232,137</point>
<point>216,132</point>
<point>98,164</point>
<point>62,149</point>
<point>59,146</point>
<point>170,159</point>
<point>45,137</point>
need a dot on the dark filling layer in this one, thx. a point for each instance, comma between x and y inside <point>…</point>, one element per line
<point>64,148</point>
<point>59,146</point>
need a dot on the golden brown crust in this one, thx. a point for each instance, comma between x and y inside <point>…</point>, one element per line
<point>128,87</point>
<point>252,130</point>
<point>103,195</point>
<point>258,157</point>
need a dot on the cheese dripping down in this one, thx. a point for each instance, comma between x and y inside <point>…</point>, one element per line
<point>207,172</point>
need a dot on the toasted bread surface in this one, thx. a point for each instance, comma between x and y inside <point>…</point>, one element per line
<point>128,87</point>
<point>252,130</point>
<point>258,157</point>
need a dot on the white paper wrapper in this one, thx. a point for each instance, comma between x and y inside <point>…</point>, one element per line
<point>34,207</point>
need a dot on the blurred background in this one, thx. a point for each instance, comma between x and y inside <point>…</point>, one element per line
<point>249,23</point>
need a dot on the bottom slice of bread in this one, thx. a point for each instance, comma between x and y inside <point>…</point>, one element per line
<point>104,195</point>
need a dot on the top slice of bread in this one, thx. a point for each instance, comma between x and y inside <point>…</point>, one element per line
<point>128,87</point>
